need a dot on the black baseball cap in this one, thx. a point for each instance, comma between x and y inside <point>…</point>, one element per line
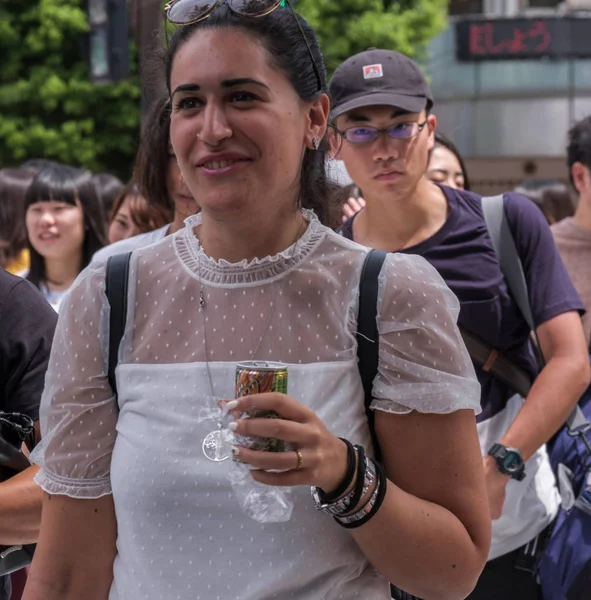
<point>379,77</point>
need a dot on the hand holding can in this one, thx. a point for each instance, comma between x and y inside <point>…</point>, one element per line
<point>259,378</point>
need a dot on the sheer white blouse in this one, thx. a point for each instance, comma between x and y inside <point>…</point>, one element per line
<point>181,533</point>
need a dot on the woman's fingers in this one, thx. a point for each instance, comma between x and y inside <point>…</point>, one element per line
<point>281,429</point>
<point>274,461</point>
<point>283,405</point>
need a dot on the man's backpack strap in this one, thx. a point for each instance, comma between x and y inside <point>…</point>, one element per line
<point>507,254</point>
<point>117,284</point>
<point>368,348</point>
<point>504,245</point>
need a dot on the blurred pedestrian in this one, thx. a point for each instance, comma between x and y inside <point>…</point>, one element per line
<point>159,180</point>
<point>14,254</point>
<point>552,197</point>
<point>132,215</point>
<point>446,165</point>
<point>38,164</point>
<point>27,324</point>
<point>255,275</point>
<point>65,227</point>
<point>108,187</point>
<point>383,130</point>
<point>573,234</point>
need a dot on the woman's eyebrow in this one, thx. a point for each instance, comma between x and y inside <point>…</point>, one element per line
<point>227,83</point>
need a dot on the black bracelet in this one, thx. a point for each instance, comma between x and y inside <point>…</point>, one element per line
<point>347,481</point>
<point>381,494</point>
<point>361,468</point>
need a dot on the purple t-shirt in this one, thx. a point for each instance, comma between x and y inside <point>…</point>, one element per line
<point>463,254</point>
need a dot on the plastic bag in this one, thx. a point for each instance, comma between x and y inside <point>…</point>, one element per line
<point>260,502</point>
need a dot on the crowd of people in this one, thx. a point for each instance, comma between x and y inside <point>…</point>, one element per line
<point>244,247</point>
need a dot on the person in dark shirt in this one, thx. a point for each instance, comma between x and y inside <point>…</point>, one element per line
<point>27,323</point>
<point>383,131</point>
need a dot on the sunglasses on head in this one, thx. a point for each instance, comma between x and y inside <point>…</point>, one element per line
<point>187,12</point>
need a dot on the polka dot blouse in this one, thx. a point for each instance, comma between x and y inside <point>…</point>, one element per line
<point>181,532</point>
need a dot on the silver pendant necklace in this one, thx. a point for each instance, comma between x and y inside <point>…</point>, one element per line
<point>217,444</point>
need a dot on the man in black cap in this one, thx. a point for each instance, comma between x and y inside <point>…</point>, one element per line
<point>383,130</point>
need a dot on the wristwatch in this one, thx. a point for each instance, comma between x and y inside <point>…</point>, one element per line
<point>509,461</point>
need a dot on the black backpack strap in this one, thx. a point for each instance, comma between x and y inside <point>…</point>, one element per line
<point>368,348</point>
<point>117,283</point>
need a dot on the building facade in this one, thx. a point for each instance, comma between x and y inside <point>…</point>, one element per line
<point>509,78</point>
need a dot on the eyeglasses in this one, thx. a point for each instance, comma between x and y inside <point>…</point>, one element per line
<point>187,12</point>
<point>366,134</point>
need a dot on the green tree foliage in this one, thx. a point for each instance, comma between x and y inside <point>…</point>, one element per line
<point>346,27</point>
<point>49,108</point>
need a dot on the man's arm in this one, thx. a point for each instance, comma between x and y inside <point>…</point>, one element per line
<point>20,509</point>
<point>27,324</point>
<point>552,398</point>
<point>557,388</point>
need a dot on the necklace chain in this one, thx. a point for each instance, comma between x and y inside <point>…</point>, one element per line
<point>203,306</point>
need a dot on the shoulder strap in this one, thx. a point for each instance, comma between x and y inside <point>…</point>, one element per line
<point>368,348</point>
<point>506,251</point>
<point>512,267</point>
<point>117,283</point>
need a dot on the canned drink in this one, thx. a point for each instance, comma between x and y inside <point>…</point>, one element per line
<point>259,377</point>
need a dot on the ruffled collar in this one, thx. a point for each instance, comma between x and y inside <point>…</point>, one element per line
<point>244,273</point>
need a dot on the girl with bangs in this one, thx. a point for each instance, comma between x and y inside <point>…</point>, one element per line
<point>65,227</point>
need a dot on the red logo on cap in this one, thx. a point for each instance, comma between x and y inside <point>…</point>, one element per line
<point>373,71</point>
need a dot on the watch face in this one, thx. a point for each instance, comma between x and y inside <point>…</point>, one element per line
<point>512,462</point>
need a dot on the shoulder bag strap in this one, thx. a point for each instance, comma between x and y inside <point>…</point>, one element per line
<point>368,348</point>
<point>117,283</point>
<point>512,267</point>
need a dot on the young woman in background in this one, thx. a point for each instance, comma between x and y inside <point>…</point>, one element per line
<point>133,215</point>
<point>65,226</point>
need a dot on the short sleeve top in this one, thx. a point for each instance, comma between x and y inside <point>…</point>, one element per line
<point>27,324</point>
<point>179,354</point>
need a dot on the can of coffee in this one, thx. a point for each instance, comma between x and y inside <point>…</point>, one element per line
<point>260,377</point>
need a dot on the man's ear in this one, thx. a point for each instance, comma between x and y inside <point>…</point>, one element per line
<point>432,125</point>
<point>581,177</point>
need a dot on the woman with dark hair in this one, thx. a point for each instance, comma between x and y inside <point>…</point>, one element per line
<point>14,255</point>
<point>108,187</point>
<point>159,180</point>
<point>133,215</point>
<point>156,168</point>
<point>446,165</point>
<point>65,226</point>
<point>138,480</point>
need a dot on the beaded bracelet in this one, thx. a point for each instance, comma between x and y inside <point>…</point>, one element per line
<point>367,512</point>
<point>348,479</point>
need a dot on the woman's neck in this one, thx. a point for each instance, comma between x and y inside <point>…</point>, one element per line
<point>252,236</point>
<point>391,224</point>
<point>60,273</point>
